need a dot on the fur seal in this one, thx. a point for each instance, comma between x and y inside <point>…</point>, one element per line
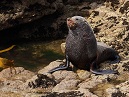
<point>82,49</point>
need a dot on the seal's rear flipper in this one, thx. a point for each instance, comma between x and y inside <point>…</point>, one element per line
<point>61,67</point>
<point>106,53</point>
<point>115,60</point>
<point>100,72</point>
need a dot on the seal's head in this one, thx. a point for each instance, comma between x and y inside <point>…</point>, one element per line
<point>75,21</point>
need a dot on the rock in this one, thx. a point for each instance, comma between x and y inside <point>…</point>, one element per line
<point>89,84</point>
<point>29,13</point>
<point>11,94</point>
<point>102,10</point>
<point>66,94</point>
<point>122,1</point>
<point>21,73</point>
<point>11,85</point>
<point>73,2</point>
<point>51,1</point>
<point>119,94</point>
<point>27,5</point>
<point>63,47</point>
<point>66,85</point>
<point>83,74</point>
<point>41,81</point>
<point>64,75</point>
<point>120,90</point>
<point>93,5</point>
<point>87,93</point>
<point>95,80</point>
<point>111,14</point>
<point>26,74</point>
<point>72,93</point>
<point>13,82</point>
<point>125,6</point>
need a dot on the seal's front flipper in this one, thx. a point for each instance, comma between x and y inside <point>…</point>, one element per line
<point>100,72</point>
<point>61,67</point>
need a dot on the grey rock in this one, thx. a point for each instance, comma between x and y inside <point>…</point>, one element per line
<point>11,85</point>
<point>121,90</point>
<point>67,75</point>
<point>38,83</point>
<point>83,74</point>
<point>125,6</point>
<point>66,94</point>
<point>95,80</point>
<point>12,82</point>
<point>66,85</point>
<point>86,92</point>
<point>71,2</point>
<point>20,73</point>
<point>63,47</point>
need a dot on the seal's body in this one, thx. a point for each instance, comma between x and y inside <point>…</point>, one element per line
<point>81,45</point>
<point>104,53</point>
<point>82,50</point>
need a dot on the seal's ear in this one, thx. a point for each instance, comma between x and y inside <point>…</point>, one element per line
<point>85,21</point>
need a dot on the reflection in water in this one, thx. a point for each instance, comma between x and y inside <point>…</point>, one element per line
<point>34,56</point>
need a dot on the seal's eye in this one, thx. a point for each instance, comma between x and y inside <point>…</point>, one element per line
<point>77,19</point>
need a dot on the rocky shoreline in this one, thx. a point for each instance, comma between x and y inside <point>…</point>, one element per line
<point>63,83</point>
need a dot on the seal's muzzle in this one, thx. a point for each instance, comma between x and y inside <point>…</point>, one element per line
<point>71,23</point>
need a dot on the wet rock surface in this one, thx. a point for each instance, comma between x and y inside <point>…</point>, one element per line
<point>109,21</point>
